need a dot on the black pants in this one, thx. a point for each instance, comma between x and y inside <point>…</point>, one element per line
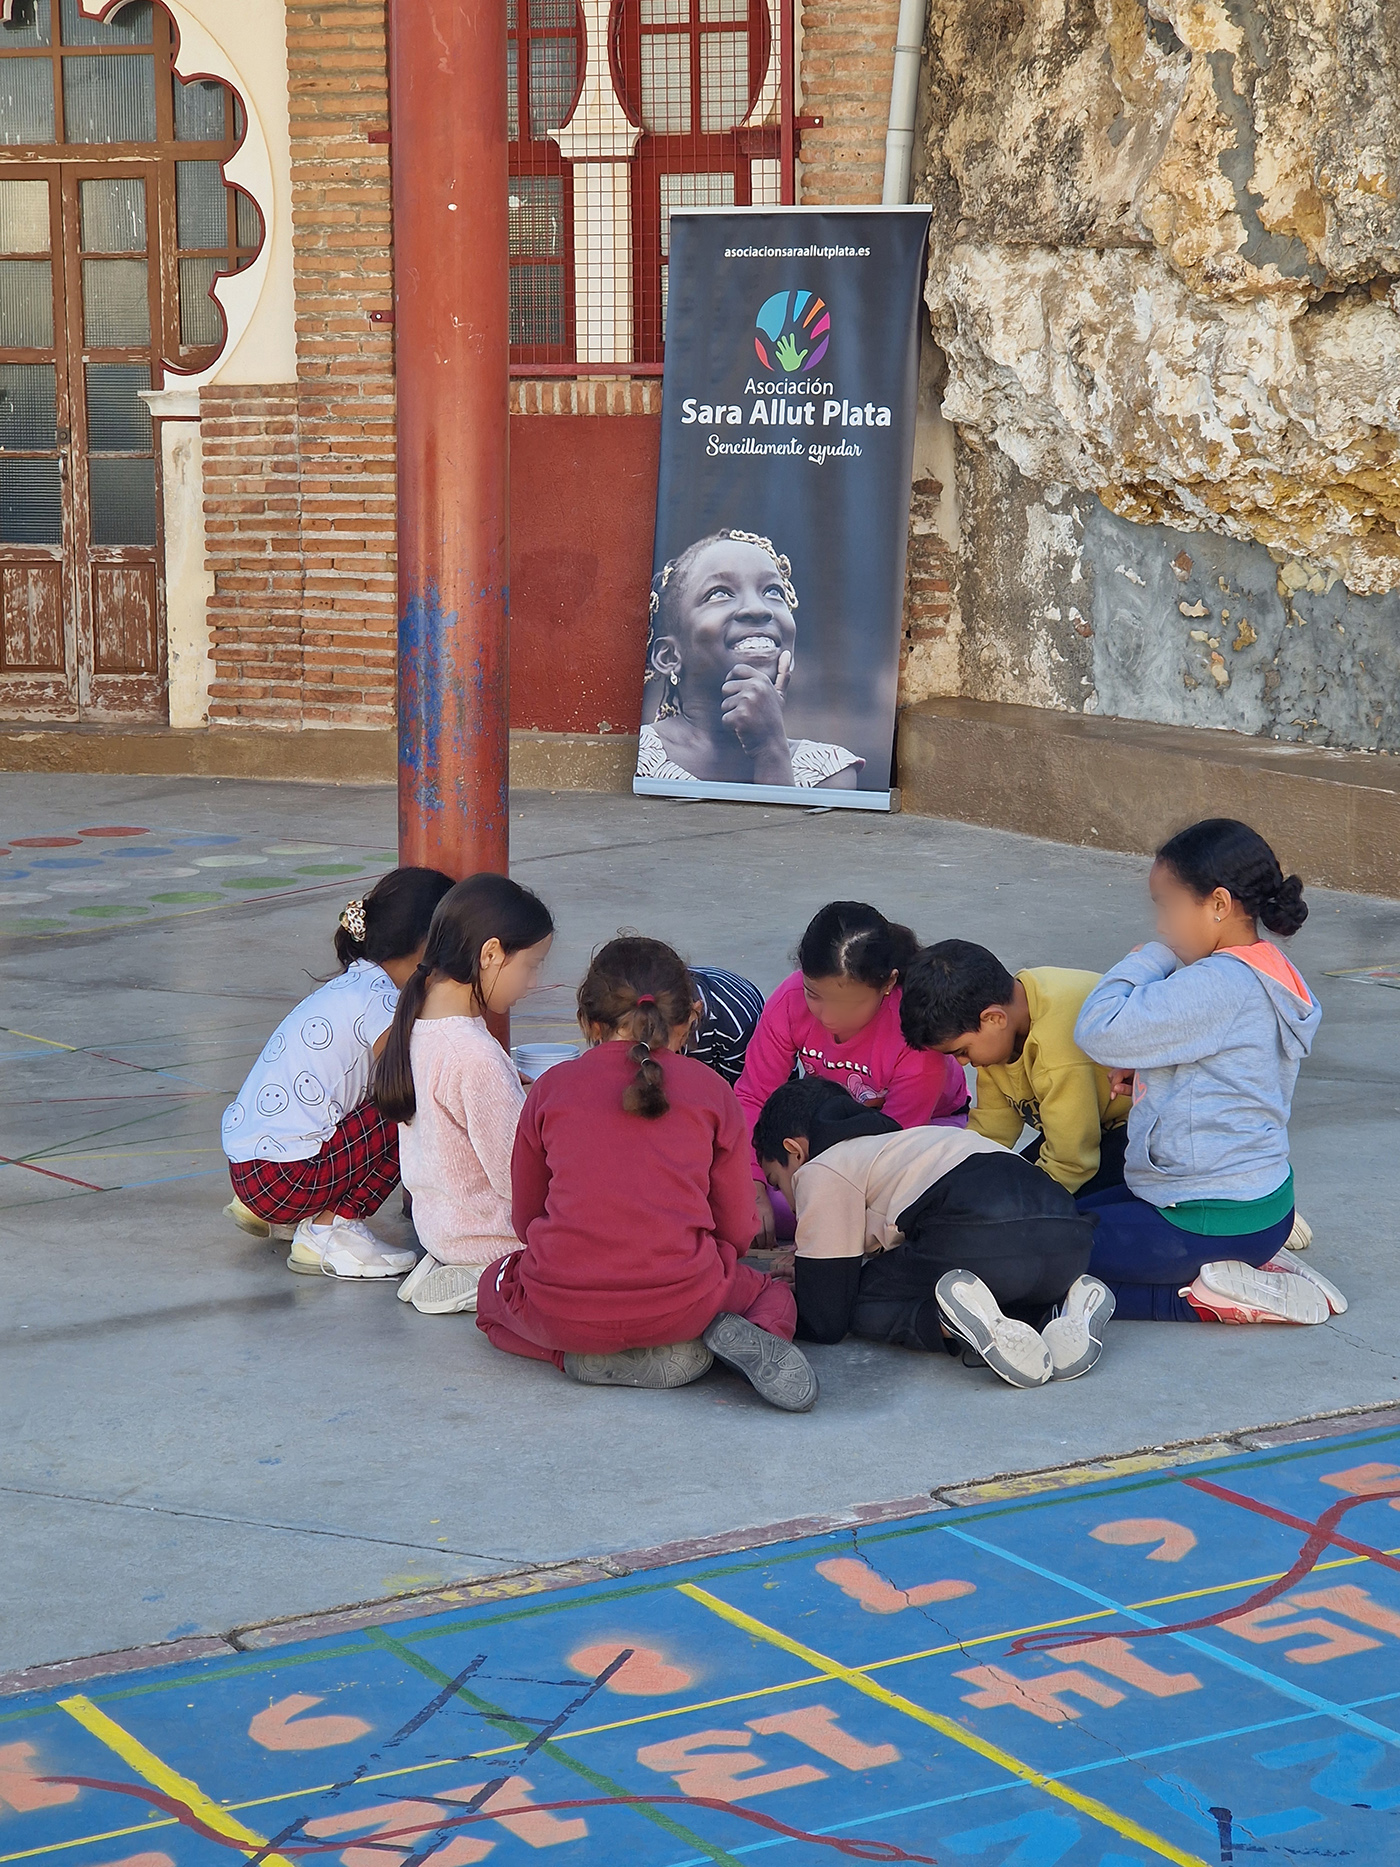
<point>994,1215</point>
<point>1113,1145</point>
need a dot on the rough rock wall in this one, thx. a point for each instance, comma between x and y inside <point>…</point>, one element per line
<point>1163,272</point>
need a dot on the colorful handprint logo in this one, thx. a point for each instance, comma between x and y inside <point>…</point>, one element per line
<point>794,329</point>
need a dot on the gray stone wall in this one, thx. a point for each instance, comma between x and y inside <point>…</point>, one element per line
<point>1163,279</point>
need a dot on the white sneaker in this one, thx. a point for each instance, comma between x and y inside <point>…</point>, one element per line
<point>437,1289</point>
<point>1301,1236</point>
<point>1230,1291</point>
<point>1075,1337</point>
<point>1011,1349</point>
<point>248,1221</point>
<point>345,1248</point>
<point>1284,1260</point>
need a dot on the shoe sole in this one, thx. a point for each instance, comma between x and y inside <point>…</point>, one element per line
<point>316,1267</point>
<point>255,1227</point>
<point>1282,1296</point>
<point>777,1371</point>
<point>460,1298</point>
<point>1010,1349</point>
<point>1081,1323</point>
<point>417,1277</point>
<point>1336,1302</point>
<point>676,1365</point>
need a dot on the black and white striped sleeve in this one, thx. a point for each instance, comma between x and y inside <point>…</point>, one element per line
<point>733,1006</point>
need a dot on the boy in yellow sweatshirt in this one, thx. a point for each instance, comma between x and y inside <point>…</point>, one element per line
<point>1018,1033</point>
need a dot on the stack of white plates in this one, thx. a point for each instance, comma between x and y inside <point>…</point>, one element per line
<point>532,1060</point>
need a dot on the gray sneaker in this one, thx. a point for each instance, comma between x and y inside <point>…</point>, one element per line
<point>1011,1349</point>
<point>675,1365</point>
<point>776,1370</point>
<point>1075,1337</point>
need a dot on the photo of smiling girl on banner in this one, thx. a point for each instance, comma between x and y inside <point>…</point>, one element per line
<point>721,650</point>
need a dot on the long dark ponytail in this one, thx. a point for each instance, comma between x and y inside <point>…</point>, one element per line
<point>1224,853</point>
<point>645,984</point>
<point>483,907</point>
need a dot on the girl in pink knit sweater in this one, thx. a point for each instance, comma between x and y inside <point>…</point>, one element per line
<point>453,1089</point>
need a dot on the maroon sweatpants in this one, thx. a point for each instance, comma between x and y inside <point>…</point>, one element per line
<point>510,1321</point>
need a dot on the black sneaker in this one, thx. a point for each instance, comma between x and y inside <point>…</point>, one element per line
<point>776,1370</point>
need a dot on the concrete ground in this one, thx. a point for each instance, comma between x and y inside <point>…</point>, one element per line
<point>197,1440</point>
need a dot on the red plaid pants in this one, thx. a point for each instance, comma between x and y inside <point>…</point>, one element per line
<point>354,1173</point>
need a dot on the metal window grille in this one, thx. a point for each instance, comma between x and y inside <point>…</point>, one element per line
<point>543,73</point>
<point>704,83</point>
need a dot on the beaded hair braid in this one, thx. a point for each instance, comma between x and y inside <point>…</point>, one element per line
<point>668,577</point>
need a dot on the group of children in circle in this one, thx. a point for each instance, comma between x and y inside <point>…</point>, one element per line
<point>601,1218</point>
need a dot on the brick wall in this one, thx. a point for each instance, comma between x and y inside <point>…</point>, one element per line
<point>252,529</point>
<point>847,62</point>
<point>303,562</point>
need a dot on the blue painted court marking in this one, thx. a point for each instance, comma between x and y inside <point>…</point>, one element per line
<point>853,1695</point>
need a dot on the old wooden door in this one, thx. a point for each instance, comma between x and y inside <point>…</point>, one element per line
<point>114,221</point>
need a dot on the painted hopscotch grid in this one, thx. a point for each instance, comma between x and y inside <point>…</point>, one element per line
<point>1195,1666</point>
<point>74,880</point>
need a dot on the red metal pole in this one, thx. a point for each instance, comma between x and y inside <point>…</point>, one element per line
<point>787,105</point>
<point>447,89</point>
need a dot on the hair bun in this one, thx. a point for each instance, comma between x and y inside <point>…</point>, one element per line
<point>1284,911</point>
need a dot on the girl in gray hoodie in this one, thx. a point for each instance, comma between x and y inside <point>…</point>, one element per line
<point>1213,1022</point>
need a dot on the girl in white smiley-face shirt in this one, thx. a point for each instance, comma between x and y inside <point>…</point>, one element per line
<point>310,1155</point>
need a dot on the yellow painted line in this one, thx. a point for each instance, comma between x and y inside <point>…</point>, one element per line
<point>848,1675</point>
<point>680,1711</point>
<point>1092,1471</point>
<point>160,1776</point>
<point>29,1036</point>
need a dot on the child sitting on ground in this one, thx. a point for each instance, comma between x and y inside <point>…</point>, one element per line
<point>632,1194</point>
<point>454,1089</point>
<point>1215,1022</point>
<point>1018,1034</point>
<point>837,1018</point>
<point>308,1147</point>
<point>727,1010</point>
<point>924,1237</point>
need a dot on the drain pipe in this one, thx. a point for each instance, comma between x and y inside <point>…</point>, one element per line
<point>904,98</point>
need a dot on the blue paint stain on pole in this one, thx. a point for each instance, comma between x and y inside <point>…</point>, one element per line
<point>424,657</point>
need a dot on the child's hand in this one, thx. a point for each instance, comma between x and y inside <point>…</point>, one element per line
<point>781,1264</point>
<point>766,1236</point>
<point>753,712</point>
<point>1120,1082</point>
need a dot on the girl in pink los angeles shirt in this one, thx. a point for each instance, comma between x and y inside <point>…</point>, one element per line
<point>838,1018</point>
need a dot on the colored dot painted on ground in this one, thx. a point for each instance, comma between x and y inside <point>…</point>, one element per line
<point>260,881</point>
<point>186,895</point>
<point>144,853</point>
<point>230,862</point>
<point>45,842</point>
<point>301,849</point>
<point>67,862</point>
<point>331,868</point>
<point>109,911</point>
<point>114,829</point>
<point>204,842</point>
<point>30,927</point>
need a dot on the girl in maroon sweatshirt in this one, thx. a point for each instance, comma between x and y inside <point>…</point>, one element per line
<point>631,1190</point>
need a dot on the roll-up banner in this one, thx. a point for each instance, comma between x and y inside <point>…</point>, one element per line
<point>782,512</point>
